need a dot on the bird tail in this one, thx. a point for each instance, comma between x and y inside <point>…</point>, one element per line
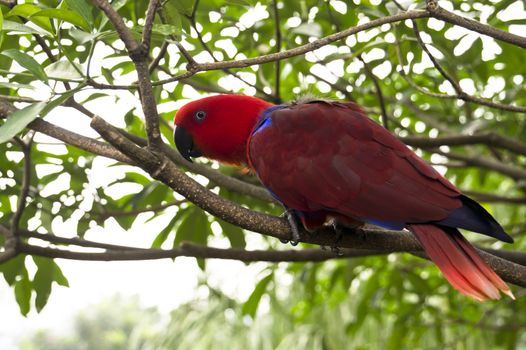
<point>459,262</point>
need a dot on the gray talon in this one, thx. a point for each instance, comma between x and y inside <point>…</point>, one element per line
<point>289,214</point>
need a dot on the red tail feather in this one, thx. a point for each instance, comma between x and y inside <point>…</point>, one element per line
<point>460,263</point>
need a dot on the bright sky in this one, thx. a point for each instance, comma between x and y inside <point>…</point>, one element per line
<point>164,283</point>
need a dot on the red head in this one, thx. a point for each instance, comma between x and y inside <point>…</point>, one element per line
<point>217,127</point>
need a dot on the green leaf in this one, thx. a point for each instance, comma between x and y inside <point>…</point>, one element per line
<point>43,280</point>
<point>1,20</point>
<point>397,336</point>
<point>83,8</point>
<point>23,293</point>
<point>12,268</point>
<point>26,11</point>
<point>10,26</point>
<point>16,85</point>
<point>239,2</point>
<point>63,69</point>
<point>46,218</point>
<point>64,15</point>
<point>107,73</point>
<point>82,37</point>
<point>234,234</point>
<point>27,62</point>
<point>18,120</point>
<point>194,227</point>
<point>58,276</point>
<point>167,29</point>
<point>163,235</point>
<point>251,305</point>
<point>58,101</point>
<point>185,7</point>
<point>172,17</point>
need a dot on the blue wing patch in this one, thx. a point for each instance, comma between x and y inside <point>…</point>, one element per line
<point>266,118</point>
<point>385,224</point>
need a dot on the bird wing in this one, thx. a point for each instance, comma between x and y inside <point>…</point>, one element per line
<point>330,156</point>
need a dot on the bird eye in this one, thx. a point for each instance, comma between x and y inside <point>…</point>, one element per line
<point>200,115</point>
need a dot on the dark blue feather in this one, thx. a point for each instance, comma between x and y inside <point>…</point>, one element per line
<point>385,224</point>
<point>473,217</point>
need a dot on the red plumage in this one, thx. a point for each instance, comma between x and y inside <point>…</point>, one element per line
<point>318,156</point>
<point>328,160</point>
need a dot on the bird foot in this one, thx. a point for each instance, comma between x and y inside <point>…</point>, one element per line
<point>339,236</point>
<point>293,223</point>
<point>360,232</point>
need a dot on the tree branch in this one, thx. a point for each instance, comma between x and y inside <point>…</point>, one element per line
<point>148,24</point>
<point>277,64</point>
<point>149,105</point>
<point>75,241</point>
<point>79,141</point>
<point>11,245</point>
<point>509,170</point>
<point>191,250</point>
<point>459,95</point>
<point>446,16</point>
<point>489,139</point>
<point>316,44</point>
<point>493,198</point>
<point>24,189</point>
<point>124,32</point>
<point>155,62</point>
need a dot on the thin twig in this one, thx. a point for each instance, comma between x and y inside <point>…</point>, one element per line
<point>379,94</point>
<point>489,139</point>
<point>435,62</point>
<point>24,189</point>
<point>510,170</point>
<point>316,44</point>
<point>124,32</point>
<point>155,62</point>
<point>191,250</point>
<point>277,64</point>
<point>148,24</point>
<point>446,16</point>
<point>75,241</point>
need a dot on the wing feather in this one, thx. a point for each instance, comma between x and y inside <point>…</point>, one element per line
<point>331,156</point>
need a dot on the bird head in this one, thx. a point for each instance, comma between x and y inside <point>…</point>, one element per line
<point>217,127</point>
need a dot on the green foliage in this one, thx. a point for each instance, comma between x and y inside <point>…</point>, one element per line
<point>18,120</point>
<point>333,305</point>
<point>381,310</point>
<point>27,62</point>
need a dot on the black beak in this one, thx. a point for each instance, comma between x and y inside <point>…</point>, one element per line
<point>185,144</point>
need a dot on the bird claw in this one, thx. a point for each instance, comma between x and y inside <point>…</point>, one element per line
<point>361,233</point>
<point>293,223</point>
<point>336,250</point>
<point>339,236</point>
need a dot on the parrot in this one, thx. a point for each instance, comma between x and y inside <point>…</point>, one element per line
<point>327,161</point>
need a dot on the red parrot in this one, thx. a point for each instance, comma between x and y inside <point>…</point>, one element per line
<point>328,161</point>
